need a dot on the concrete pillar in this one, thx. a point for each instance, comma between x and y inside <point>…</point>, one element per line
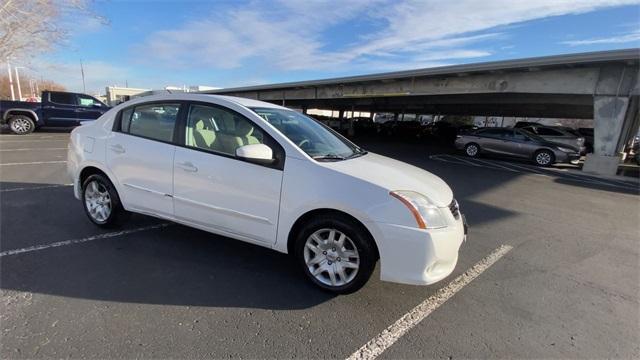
<point>609,114</point>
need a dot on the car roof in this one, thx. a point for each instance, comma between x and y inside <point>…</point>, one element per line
<point>203,97</point>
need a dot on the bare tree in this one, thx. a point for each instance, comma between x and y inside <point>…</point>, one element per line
<point>31,27</point>
<point>5,92</point>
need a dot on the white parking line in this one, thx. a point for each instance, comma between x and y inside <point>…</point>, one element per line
<point>521,168</point>
<point>34,140</point>
<point>390,335</point>
<point>34,187</point>
<point>34,149</point>
<point>79,241</point>
<point>34,163</point>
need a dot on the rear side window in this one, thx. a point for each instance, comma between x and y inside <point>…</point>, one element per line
<point>62,98</point>
<point>152,121</point>
<point>496,132</point>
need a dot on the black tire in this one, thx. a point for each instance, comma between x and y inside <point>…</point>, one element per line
<point>117,215</point>
<point>472,150</point>
<point>21,124</point>
<point>544,158</point>
<point>359,237</point>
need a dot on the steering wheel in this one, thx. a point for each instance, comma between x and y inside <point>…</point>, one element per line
<point>303,142</point>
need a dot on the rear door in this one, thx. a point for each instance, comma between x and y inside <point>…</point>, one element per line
<point>60,109</point>
<point>214,189</point>
<point>140,154</point>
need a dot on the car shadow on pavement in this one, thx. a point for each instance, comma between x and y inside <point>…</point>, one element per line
<point>171,265</point>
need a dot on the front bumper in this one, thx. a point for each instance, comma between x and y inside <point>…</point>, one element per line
<point>563,157</point>
<point>409,255</point>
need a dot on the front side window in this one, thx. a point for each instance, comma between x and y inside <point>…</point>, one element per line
<point>153,121</point>
<point>309,135</point>
<point>220,130</point>
<point>88,101</point>
<point>62,98</point>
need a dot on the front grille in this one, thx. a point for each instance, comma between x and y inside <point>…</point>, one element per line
<point>455,209</point>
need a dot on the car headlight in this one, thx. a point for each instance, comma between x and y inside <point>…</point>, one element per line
<point>427,215</point>
<point>564,149</point>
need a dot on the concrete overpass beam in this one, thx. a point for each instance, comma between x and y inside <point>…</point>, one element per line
<point>609,117</point>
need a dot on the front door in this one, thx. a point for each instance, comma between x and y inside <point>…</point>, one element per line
<point>89,108</point>
<point>215,190</point>
<point>140,155</point>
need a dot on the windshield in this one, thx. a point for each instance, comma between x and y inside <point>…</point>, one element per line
<point>315,139</point>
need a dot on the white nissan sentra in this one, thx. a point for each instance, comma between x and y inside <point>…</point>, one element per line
<point>271,176</point>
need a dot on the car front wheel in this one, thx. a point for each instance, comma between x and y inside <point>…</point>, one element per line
<point>101,202</point>
<point>544,158</point>
<point>336,254</point>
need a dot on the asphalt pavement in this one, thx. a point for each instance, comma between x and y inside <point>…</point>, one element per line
<point>569,288</point>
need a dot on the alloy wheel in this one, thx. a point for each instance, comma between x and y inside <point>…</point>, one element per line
<point>98,201</point>
<point>472,150</point>
<point>543,158</point>
<point>21,126</point>
<point>331,257</point>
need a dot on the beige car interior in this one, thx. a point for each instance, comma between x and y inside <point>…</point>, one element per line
<point>219,130</point>
<point>151,124</point>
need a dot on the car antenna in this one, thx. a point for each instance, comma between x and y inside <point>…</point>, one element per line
<point>169,91</point>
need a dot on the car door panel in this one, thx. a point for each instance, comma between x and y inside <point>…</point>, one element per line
<point>144,169</point>
<point>225,194</point>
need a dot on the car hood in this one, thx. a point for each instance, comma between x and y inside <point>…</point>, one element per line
<point>392,174</point>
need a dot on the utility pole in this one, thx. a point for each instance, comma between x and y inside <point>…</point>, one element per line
<point>18,82</point>
<point>13,95</point>
<point>84,87</point>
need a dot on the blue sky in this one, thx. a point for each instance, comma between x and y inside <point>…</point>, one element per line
<point>152,44</point>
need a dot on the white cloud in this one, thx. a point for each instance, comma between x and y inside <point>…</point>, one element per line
<point>619,39</point>
<point>289,35</point>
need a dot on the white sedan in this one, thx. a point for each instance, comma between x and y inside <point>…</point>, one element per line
<point>271,176</point>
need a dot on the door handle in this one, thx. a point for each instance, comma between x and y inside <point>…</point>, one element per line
<point>119,149</point>
<point>187,166</point>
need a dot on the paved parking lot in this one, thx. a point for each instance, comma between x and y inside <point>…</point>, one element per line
<point>569,287</point>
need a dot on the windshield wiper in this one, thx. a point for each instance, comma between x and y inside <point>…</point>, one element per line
<point>358,153</point>
<point>328,157</point>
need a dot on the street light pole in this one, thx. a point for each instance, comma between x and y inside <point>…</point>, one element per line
<point>18,82</point>
<point>13,95</point>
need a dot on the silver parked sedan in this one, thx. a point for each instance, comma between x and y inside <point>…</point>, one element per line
<point>515,143</point>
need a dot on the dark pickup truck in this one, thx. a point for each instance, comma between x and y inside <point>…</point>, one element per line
<point>58,108</point>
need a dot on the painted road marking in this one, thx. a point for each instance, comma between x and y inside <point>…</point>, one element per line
<point>79,241</point>
<point>34,140</point>
<point>34,149</point>
<point>390,335</point>
<point>545,172</point>
<point>35,187</point>
<point>35,163</point>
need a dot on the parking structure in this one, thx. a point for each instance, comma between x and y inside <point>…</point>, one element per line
<point>568,286</point>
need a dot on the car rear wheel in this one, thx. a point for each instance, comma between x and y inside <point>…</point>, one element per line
<point>101,202</point>
<point>21,124</point>
<point>335,253</point>
<point>472,150</point>
<point>544,158</point>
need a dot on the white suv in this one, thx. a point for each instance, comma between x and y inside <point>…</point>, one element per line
<point>267,175</point>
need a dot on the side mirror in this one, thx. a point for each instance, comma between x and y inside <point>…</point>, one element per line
<point>257,153</point>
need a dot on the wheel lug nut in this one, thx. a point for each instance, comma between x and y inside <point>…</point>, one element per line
<point>329,263</point>
<point>333,249</point>
<point>324,253</point>
<point>338,259</point>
